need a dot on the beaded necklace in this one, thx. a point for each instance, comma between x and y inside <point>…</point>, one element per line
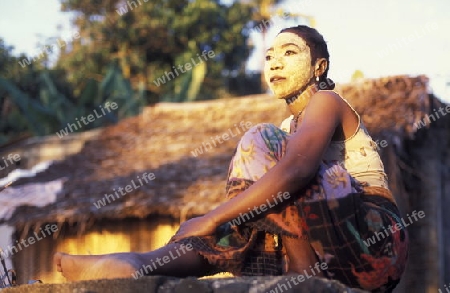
<point>295,119</point>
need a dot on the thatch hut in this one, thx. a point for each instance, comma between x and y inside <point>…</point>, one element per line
<point>176,143</point>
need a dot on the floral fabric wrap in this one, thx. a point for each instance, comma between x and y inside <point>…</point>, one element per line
<point>344,222</point>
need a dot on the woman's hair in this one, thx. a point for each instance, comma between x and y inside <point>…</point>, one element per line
<point>318,48</point>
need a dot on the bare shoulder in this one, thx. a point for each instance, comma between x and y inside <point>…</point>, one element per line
<point>333,106</point>
<point>329,96</point>
<point>328,101</point>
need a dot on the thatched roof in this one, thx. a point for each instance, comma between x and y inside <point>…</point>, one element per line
<point>161,140</point>
<point>391,106</point>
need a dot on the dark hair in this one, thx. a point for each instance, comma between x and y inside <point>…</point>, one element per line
<point>318,48</point>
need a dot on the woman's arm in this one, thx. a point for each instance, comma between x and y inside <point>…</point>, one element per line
<point>292,173</point>
<point>299,164</point>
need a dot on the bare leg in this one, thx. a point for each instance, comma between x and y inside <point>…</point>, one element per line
<point>301,256</point>
<point>172,260</point>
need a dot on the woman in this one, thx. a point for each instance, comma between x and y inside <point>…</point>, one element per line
<point>302,199</point>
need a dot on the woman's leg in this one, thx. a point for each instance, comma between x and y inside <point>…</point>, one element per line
<point>258,151</point>
<point>173,260</point>
<point>301,255</point>
<point>342,218</point>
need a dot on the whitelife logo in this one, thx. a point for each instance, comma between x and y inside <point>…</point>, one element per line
<point>148,268</point>
<point>394,229</point>
<point>296,280</point>
<point>219,139</point>
<point>108,198</point>
<point>12,158</point>
<point>10,250</point>
<point>262,208</point>
<point>187,66</point>
<point>71,127</point>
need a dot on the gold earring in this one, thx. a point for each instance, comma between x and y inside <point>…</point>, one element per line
<point>317,78</point>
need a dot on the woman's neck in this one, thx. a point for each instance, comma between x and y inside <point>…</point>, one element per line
<point>298,103</point>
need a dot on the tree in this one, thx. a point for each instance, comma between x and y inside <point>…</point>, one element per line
<point>22,77</point>
<point>357,75</point>
<point>151,39</point>
<point>39,101</point>
<point>118,52</point>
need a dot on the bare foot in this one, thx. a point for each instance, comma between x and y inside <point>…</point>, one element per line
<point>57,260</point>
<point>92,267</point>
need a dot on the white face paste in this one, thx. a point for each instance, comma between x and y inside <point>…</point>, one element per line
<point>288,65</point>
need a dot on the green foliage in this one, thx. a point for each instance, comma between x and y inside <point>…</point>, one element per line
<point>115,88</point>
<point>123,48</point>
<point>45,109</point>
<point>150,38</point>
<point>357,75</point>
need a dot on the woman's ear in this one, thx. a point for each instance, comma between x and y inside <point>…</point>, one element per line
<point>320,67</point>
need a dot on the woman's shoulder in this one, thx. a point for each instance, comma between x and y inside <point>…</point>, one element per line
<point>330,99</point>
<point>331,94</point>
<point>350,119</point>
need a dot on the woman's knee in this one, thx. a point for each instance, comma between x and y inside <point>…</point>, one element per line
<point>265,135</point>
<point>263,129</point>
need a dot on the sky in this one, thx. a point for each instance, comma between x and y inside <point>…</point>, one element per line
<point>380,38</point>
<point>25,23</point>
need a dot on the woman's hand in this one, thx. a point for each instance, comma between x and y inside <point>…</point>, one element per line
<point>200,226</point>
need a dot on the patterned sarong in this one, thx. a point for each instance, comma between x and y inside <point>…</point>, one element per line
<point>346,224</point>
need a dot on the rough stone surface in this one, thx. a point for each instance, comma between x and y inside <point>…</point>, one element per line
<point>161,284</point>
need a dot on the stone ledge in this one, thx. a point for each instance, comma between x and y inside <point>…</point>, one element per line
<point>162,284</point>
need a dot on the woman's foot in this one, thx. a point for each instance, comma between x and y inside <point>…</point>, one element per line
<point>91,267</point>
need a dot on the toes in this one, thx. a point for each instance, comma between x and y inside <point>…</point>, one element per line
<point>57,260</point>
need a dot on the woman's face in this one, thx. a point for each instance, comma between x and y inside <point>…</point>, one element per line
<point>288,65</point>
